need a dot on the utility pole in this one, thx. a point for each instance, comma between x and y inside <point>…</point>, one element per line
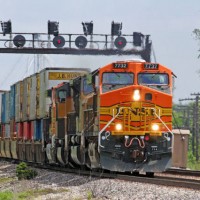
<point>185,109</point>
<point>197,123</point>
<point>194,124</point>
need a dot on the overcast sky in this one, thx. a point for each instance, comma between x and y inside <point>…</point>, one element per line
<point>169,22</point>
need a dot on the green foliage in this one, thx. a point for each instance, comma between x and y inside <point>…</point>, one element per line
<point>7,195</point>
<point>192,163</point>
<point>177,121</point>
<point>90,195</point>
<point>29,194</point>
<point>23,172</point>
<point>35,193</point>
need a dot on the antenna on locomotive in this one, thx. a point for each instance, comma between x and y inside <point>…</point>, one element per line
<point>174,75</point>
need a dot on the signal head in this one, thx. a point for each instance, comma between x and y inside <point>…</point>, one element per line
<point>19,40</point>
<point>120,42</point>
<point>81,42</point>
<point>58,41</point>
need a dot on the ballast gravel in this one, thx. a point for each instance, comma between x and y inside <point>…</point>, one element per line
<point>62,186</point>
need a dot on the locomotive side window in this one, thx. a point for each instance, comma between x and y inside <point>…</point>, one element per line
<point>87,88</point>
<point>62,94</point>
<point>115,80</point>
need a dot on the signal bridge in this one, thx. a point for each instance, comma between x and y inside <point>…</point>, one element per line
<point>87,43</point>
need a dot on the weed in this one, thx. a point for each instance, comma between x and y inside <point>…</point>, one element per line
<point>35,193</point>
<point>23,172</point>
<point>90,195</point>
<point>7,195</point>
<point>6,179</point>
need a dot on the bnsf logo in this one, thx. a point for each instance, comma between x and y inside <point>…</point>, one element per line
<point>138,111</point>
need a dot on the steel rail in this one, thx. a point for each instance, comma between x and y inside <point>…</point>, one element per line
<point>157,180</point>
<point>184,172</point>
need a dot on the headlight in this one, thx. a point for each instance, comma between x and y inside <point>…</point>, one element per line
<point>136,95</point>
<point>155,127</point>
<point>118,127</point>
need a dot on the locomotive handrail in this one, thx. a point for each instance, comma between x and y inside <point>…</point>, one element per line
<point>103,129</point>
<point>162,122</point>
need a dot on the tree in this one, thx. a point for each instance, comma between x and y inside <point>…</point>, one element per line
<point>196,33</point>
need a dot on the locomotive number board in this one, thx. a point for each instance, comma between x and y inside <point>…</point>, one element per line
<point>150,66</point>
<point>120,65</point>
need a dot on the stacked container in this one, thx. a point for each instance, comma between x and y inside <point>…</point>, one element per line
<point>33,99</point>
<point>5,112</point>
<point>26,99</point>
<point>18,101</point>
<point>19,130</point>
<point>3,108</point>
<point>27,130</point>
<point>12,110</point>
<point>1,93</point>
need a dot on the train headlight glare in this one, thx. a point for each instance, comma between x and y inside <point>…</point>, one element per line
<point>118,127</point>
<point>155,127</point>
<point>136,95</point>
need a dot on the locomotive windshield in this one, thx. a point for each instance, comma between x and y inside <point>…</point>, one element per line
<point>154,80</point>
<point>115,80</point>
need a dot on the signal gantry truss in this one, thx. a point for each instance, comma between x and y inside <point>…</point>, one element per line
<point>88,43</point>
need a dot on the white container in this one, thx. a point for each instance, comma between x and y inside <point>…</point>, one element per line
<point>33,102</point>
<point>26,99</point>
<point>7,106</point>
<point>18,101</point>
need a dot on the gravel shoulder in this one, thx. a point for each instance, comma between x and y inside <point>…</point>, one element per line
<point>50,185</point>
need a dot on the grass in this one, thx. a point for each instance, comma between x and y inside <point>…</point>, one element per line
<point>6,179</point>
<point>7,195</point>
<point>192,163</point>
<point>90,195</point>
<point>36,193</point>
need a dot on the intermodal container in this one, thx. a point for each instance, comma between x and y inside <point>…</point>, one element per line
<point>27,130</point>
<point>33,91</point>
<point>51,77</point>
<point>32,128</point>
<point>7,107</point>
<point>19,129</point>
<point>26,99</point>
<point>45,129</point>
<point>12,128</point>
<point>7,130</point>
<point>3,108</point>
<point>1,93</point>
<point>12,102</point>
<point>2,130</point>
<point>38,130</point>
<point>18,101</point>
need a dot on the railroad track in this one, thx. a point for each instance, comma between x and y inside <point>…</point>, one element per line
<point>184,172</point>
<point>165,181</point>
<point>157,179</point>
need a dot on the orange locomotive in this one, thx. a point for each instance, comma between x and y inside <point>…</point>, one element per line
<point>118,118</point>
<point>135,116</point>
